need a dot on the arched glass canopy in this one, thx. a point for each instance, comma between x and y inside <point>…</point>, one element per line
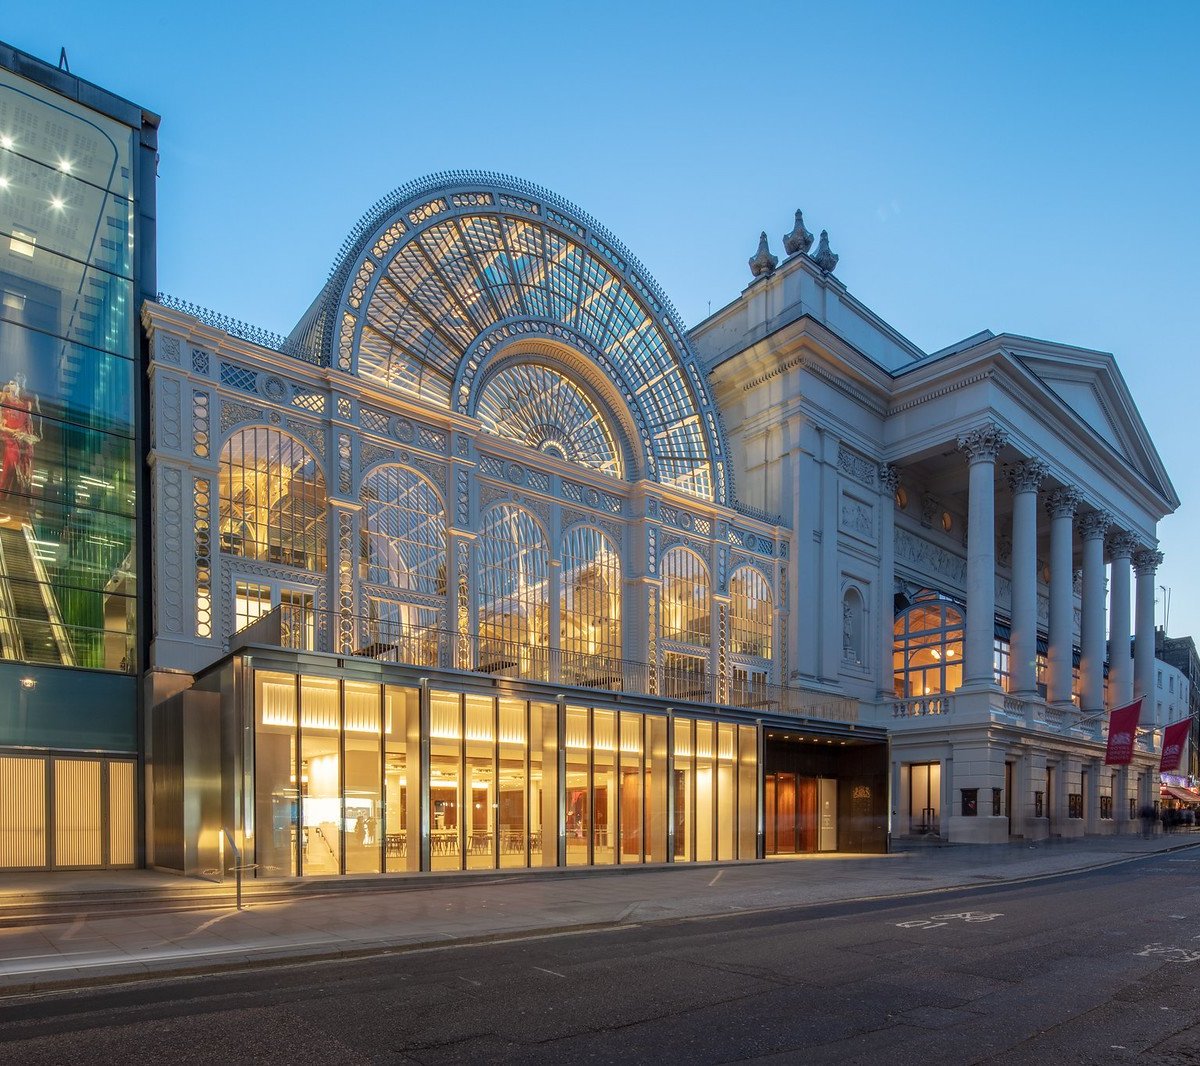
<point>445,273</point>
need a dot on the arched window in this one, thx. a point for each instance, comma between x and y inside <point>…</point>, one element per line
<point>539,407</point>
<point>591,609</point>
<point>750,613</point>
<point>686,619</point>
<point>404,532</point>
<point>927,650</point>
<point>514,593</point>
<point>852,627</point>
<point>272,499</point>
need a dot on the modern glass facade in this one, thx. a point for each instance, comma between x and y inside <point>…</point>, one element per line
<point>355,777</point>
<point>76,259</point>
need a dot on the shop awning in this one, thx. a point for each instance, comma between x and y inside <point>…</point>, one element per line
<point>1188,795</point>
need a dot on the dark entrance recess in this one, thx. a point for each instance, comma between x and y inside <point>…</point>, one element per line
<point>793,765</point>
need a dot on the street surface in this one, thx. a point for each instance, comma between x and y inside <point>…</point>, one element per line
<point>1096,967</point>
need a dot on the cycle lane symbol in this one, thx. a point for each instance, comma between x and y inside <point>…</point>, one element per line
<point>937,921</point>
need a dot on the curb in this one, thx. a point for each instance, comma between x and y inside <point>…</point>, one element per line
<point>133,972</point>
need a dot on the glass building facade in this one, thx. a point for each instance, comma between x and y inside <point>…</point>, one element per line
<point>348,776</point>
<point>76,260</point>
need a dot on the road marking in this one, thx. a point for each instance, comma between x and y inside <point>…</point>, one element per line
<point>477,984</point>
<point>716,879</point>
<point>939,920</point>
<point>552,973</point>
<point>1169,953</point>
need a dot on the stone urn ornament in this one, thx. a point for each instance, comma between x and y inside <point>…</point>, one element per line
<point>763,262</point>
<point>799,240</point>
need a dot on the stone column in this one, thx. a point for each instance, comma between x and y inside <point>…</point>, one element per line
<point>1146,562</point>
<point>1024,478</point>
<point>981,446</point>
<point>1061,506</point>
<point>1120,660</point>
<point>889,480</point>
<point>1092,527</point>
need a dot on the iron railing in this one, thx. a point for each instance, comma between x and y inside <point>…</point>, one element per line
<point>304,629</point>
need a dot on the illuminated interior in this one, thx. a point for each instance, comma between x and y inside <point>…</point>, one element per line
<point>338,784</point>
<point>927,652</point>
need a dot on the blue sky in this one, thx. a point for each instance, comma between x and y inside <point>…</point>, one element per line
<point>1029,168</point>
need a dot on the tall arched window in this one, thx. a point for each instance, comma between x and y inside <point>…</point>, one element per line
<point>751,613</point>
<point>404,532</point>
<point>272,499</point>
<point>927,650</point>
<point>514,593</point>
<point>591,609</point>
<point>686,619</point>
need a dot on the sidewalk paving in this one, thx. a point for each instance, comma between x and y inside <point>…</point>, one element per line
<point>340,919</point>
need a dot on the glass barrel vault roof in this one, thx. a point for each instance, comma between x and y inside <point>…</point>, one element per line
<point>445,270</point>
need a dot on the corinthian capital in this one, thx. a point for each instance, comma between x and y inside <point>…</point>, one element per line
<point>1027,475</point>
<point>1122,545</point>
<point>1061,503</point>
<point>1146,561</point>
<point>983,444</point>
<point>1094,524</point>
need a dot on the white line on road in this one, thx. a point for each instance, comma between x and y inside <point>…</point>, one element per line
<point>716,879</point>
<point>477,984</point>
<point>552,973</point>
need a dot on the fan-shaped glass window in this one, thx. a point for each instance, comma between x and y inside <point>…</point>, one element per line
<point>514,593</point>
<point>404,532</point>
<point>927,651</point>
<point>419,298</point>
<point>686,606</point>
<point>537,406</point>
<point>272,499</point>
<point>750,613</point>
<point>591,609</point>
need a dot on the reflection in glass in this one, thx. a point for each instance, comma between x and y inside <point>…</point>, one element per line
<point>402,734</point>
<point>727,799</point>
<point>511,811</point>
<point>320,776</point>
<point>481,777</point>
<point>578,787</point>
<point>272,500</point>
<point>590,609</point>
<point>630,797</point>
<point>750,613</point>
<point>684,788</point>
<point>514,593</point>
<point>657,784</point>
<point>604,786</point>
<point>276,787</point>
<point>363,787</point>
<point>686,609</point>
<point>445,777</point>
<point>705,791</point>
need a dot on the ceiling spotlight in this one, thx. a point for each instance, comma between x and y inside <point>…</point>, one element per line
<point>5,141</point>
<point>65,166</point>
<point>57,203</point>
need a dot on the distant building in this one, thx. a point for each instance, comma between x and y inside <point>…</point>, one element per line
<point>1181,675</point>
<point>77,259</point>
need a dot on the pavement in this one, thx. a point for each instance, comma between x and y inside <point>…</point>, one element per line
<point>67,929</point>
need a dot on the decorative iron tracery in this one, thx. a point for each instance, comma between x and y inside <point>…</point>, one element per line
<point>469,255</point>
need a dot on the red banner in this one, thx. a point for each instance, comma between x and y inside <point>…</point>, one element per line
<point>1174,738</point>
<point>1122,729</point>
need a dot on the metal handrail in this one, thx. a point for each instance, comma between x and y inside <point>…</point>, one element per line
<point>307,629</point>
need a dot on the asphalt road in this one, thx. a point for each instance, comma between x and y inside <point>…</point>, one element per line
<point>1097,967</point>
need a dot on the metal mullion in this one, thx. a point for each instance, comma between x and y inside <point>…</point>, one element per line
<point>617,766</point>
<point>643,732</point>
<point>528,781</point>
<point>299,739</point>
<point>381,801</point>
<point>692,827</point>
<point>462,781</point>
<point>495,814</point>
<point>341,718</point>
<point>670,790</point>
<point>49,780</point>
<point>591,786</point>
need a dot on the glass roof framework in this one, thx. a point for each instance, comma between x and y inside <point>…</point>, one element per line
<point>443,269</point>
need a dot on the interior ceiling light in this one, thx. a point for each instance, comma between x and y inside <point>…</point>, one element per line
<point>57,203</point>
<point>3,182</point>
<point>5,141</point>
<point>65,166</point>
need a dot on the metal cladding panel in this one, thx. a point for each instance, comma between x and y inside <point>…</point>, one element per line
<point>22,812</point>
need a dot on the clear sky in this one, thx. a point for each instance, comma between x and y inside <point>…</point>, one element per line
<point>1029,168</point>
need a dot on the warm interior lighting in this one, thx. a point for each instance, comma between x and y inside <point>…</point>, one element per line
<point>65,166</point>
<point>5,141</point>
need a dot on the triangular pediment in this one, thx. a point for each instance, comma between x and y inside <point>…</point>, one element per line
<point>1090,386</point>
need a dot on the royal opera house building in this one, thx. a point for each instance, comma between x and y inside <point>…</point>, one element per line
<point>492,563</point>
